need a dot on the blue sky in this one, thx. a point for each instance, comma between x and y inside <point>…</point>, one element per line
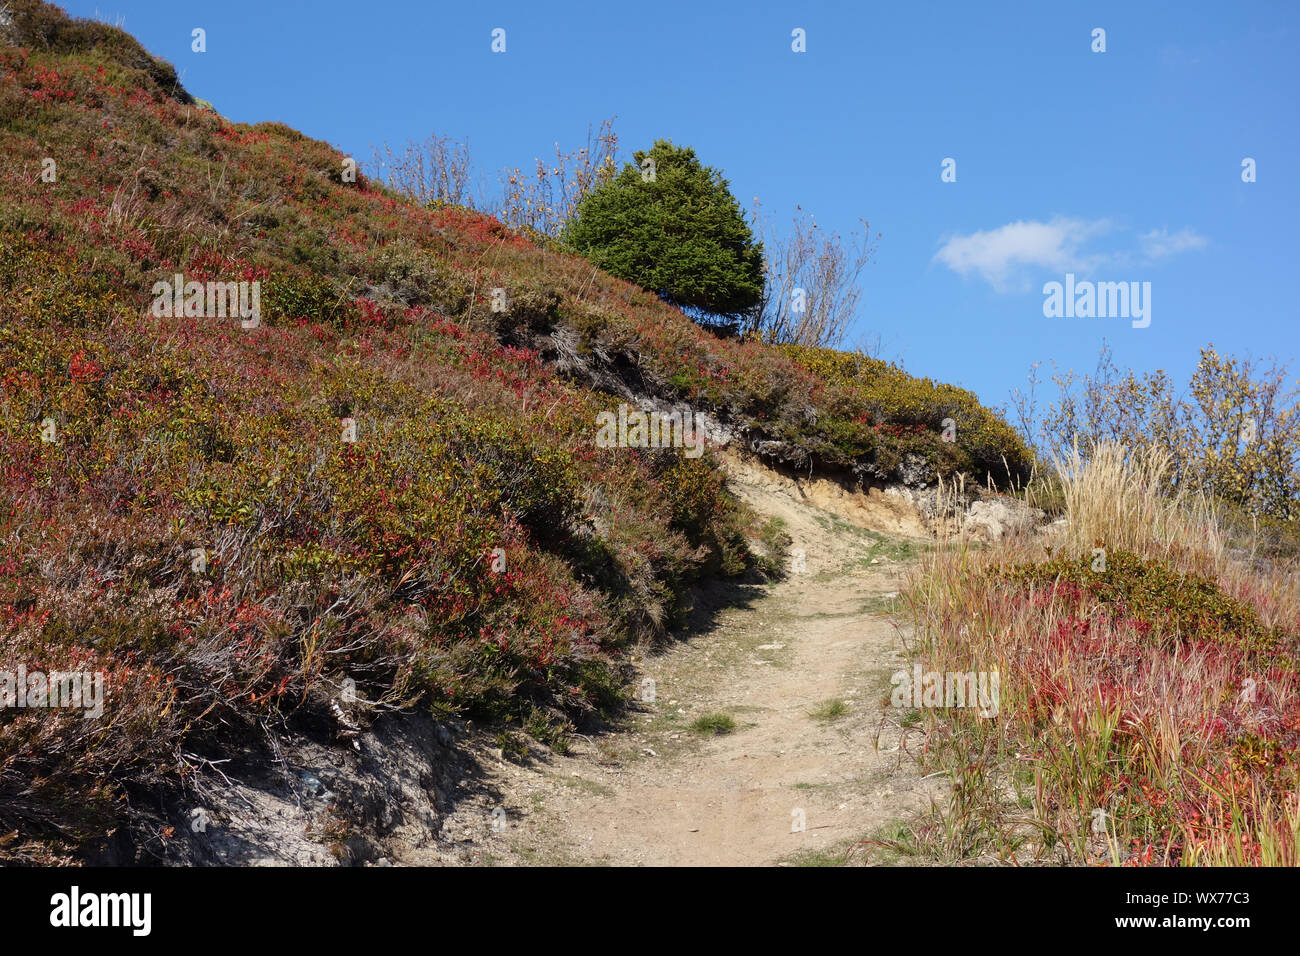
<point>1116,166</point>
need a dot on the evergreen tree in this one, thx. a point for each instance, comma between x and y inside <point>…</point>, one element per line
<point>671,225</point>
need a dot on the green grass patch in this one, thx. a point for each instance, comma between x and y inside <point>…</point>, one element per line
<point>829,710</point>
<point>714,725</point>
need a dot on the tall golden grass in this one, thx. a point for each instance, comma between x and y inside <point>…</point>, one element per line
<point>1115,499</point>
<point>1110,747</point>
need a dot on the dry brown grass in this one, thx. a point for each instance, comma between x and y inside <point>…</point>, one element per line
<point>1181,738</point>
<point>1117,500</point>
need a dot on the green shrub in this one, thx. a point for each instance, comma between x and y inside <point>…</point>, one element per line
<point>680,233</point>
<point>1167,605</point>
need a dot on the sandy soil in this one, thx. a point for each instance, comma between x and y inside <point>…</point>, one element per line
<point>802,667</point>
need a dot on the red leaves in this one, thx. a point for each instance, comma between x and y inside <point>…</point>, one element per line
<point>371,314</point>
<point>83,369</point>
<point>480,229</point>
<point>241,137</point>
<point>46,86</point>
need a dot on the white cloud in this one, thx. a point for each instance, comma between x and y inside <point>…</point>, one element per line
<point>1002,256</point>
<point>1159,244</point>
<point>1010,256</point>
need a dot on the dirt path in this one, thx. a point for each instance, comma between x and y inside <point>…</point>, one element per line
<point>801,668</point>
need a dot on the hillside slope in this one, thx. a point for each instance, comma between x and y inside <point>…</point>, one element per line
<point>379,495</point>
